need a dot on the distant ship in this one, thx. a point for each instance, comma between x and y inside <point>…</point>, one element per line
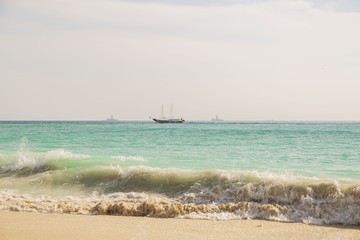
<point>168,120</point>
<point>111,119</point>
<point>217,119</point>
<point>163,119</point>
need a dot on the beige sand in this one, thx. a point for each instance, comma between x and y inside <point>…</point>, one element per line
<point>21,225</point>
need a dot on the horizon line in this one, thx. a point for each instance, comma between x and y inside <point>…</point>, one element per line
<point>194,120</point>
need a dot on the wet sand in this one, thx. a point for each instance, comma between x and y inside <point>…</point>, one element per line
<point>23,225</point>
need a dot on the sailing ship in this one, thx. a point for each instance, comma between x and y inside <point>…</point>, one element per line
<point>163,119</point>
<point>217,119</point>
<point>111,119</point>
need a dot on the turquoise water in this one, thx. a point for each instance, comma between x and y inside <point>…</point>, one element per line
<point>284,171</point>
<point>311,149</point>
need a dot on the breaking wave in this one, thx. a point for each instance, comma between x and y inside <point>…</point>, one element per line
<point>63,154</point>
<point>28,163</point>
<point>25,162</point>
<point>129,158</point>
<point>219,195</point>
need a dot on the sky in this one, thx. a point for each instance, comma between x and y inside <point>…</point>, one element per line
<point>239,59</point>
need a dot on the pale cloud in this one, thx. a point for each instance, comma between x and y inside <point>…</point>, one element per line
<point>87,59</point>
<point>334,5</point>
<point>338,5</point>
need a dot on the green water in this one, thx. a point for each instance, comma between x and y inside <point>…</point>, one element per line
<point>325,150</point>
<point>297,172</point>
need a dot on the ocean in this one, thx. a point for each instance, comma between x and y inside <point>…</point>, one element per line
<point>283,171</point>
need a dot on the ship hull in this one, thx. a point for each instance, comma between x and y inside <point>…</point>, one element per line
<point>177,120</point>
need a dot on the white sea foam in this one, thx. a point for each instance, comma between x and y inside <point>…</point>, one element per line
<point>345,211</point>
<point>215,195</point>
<point>25,158</point>
<point>129,158</point>
<point>222,216</point>
<point>64,154</point>
<point>31,160</point>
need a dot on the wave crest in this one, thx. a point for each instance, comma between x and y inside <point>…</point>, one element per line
<point>144,191</point>
<point>26,162</point>
<point>346,212</point>
<point>64,154</point>
<point>129,158</point>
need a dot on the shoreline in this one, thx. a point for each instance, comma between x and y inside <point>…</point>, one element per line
<point>25,225</point>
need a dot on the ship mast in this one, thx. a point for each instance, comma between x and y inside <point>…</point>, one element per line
<point>171,113</point>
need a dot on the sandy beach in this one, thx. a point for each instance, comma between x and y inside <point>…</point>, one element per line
<point>23,225</point>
